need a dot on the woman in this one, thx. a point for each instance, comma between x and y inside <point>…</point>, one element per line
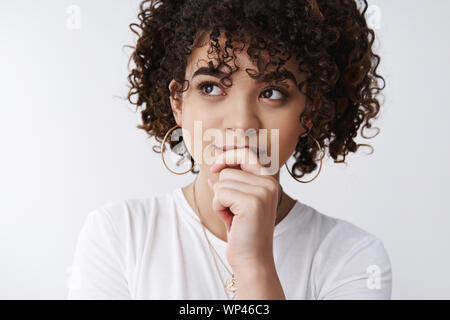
<point>303,73</point>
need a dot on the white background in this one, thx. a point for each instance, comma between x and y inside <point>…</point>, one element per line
<point>69,143</point>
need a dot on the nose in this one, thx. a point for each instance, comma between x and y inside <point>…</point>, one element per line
<point>241,119</point>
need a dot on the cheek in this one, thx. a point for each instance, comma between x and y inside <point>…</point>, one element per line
<point>198,143</point>
<point>288,141</point>
<point>288,133</point>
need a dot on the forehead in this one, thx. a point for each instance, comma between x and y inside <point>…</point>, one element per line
<point>202,55</point>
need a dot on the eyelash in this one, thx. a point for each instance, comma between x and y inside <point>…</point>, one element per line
<point>206,83</point>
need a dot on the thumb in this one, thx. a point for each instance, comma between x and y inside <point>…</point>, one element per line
<point>227,217</point>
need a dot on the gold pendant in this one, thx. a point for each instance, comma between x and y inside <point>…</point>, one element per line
<point>230,284</point>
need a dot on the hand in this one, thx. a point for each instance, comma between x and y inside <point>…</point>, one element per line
<point>246,201</point>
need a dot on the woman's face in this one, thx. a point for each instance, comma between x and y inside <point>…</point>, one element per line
<point>240,112</point>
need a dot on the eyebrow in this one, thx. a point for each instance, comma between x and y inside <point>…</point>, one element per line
<point>268,77</point>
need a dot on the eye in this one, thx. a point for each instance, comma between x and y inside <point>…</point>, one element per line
<point>208,85</point>
<point>280,96</point>
<point>207,88</point>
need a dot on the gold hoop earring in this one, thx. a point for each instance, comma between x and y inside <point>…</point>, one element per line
<point>163,148</point>
<point>320,167</point>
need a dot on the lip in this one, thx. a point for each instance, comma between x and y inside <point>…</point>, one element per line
<point>225,148</point>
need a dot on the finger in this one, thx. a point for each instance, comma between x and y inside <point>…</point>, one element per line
<point>224,202</point>
<point>248,189</point>
<point>227,217</point>
<point>247,177</point>
<point>258,193</point>
<point>228,198</point>
<point>234,158</point>
<point>244,157</point>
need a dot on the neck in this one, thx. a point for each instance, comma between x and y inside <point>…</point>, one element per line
<point>204,196</point>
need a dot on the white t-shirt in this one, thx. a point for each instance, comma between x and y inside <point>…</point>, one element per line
<point>154,248</point>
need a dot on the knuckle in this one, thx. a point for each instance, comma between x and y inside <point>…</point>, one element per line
<point>263,192</point>
<point>223,174</point>
<point>255,203</point>
<point>272,185</point>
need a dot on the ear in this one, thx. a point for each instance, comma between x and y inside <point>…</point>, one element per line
<point>176,105</point>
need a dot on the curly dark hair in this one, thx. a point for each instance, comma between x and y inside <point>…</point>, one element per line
<point>330,37</point>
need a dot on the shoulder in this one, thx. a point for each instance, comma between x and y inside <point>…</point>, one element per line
<point>334,232</point>
<point>132,214</point>
<point>110,242</point>
<point>345,258</point>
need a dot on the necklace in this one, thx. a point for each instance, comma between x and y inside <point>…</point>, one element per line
<point>229,284</point>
